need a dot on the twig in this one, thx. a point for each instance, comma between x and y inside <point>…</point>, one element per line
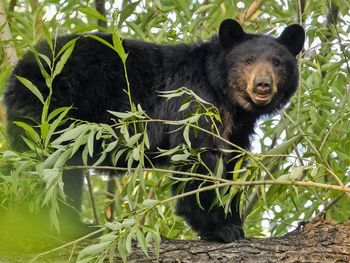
<point>225,182</point>
<point>67,245</point>
<point>93,204</point>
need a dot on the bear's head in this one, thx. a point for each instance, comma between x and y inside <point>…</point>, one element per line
<point>261,71</point>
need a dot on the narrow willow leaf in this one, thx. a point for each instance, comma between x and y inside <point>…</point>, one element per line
<point>168,152</point>
<point>136,153</point>
<point>29,85</point>
<point>180,157</point>
<point>79,141</point>
<point>122,249</point>
<point>94,249</point>
<point>53,126</point>
<point>47,36</point>
<point>89,28</point>
<point>237,169</point>
<point>186,134</point>
<point>118,46</point>
<point>44,129</point>
<point>283,147</point>
<point>128,240</point>
<point>70,134</point>
<point>146,140</point>
<point>111,146</point>
<point>92,12</point>
<point>46,59</point>
<point>51,160</point>
<point>133,139</point>
<point>61,161</point>
<point>117,156</point>
<point>69,47</point>
<point>142,241</point>
<point>91,142</point>
<point>101,40</point>
<point>29,131</point>
<point>122,115</point>
<point>57,112</point>
<point>100,160</point>
<point>48,195</point>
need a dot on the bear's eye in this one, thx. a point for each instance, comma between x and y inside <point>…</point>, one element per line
<point>276,62</point>
<point>250,60</point>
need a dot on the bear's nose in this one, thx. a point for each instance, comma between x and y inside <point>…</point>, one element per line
<point>263,85</point>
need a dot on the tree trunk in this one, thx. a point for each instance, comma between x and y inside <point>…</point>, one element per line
<point>317,241</point>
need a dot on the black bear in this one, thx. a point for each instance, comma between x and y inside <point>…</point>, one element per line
<point>244,75</point>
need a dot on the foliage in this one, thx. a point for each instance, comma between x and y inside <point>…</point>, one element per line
<point>307,142</point>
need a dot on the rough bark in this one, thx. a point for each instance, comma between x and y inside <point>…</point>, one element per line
<point>317,241</point>
<point>6,38</point>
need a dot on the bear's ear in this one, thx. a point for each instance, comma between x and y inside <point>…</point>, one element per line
<point>230,31</point>
<point>293,38</point>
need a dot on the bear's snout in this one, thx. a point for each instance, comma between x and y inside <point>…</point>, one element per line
<point>263,85</point>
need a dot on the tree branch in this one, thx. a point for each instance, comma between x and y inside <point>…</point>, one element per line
<point>251,10</point>
<point>6,38</point>
<point>317,241</point>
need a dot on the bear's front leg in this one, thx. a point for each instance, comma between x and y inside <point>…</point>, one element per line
<point>211,223</point>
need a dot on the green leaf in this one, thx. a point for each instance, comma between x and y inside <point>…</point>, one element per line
<point>186,134</point>
<point>47,35</point>
<point>122,249</point>
<point>133,139</point>
<point>89,28</point>
<point>29,85</point>
<point>56,112</point>
<point>111,146</point>
<point>29,131</point>
<point>69,47</point>
<point>117,156</point>
<point>146,140</point>
<point>91,142</point>
<point>94,249</point>
<point>180,157</point>
<point>61,161</point>
<point>283,147</point>
<point>118,46</point>
<point>52,159</point>
<point>92,12</point>
<point>219,168</point>
<point>70,134</point>
<point>136,153</point>
<point>79,141</point>
<point>122,115</point>
<point>53,126</point>
<point>101,40</point>
<point>142,241</point>
<point>46,59</point>
<point>66,46</point>
<point>185,106</point>
<point>128,240</point>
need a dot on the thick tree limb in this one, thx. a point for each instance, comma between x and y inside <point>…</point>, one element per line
<point>317,241</point>
<point>6,38</point>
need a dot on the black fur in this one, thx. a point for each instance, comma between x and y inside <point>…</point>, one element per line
<point>218,71</point>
